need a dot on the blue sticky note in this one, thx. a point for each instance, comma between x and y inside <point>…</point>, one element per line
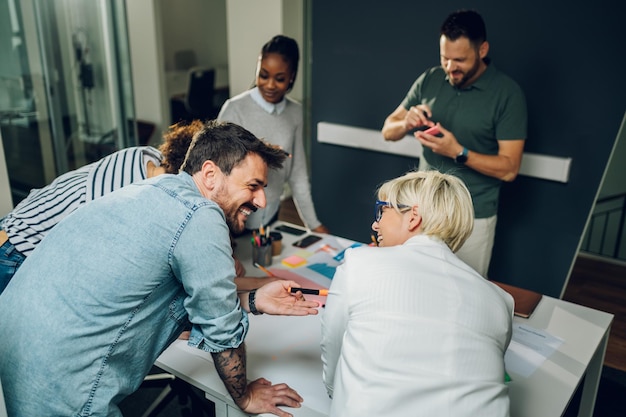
<point>340,255</point>
<point>323,269</point>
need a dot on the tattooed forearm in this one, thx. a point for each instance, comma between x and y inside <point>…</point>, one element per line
<point>231,366</point>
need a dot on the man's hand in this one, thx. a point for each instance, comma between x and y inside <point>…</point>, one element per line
<point>263,397</point>
<point>401,121</point>
<point>275,298</point>
<point>504,166</point>
<point>258,396</point>
<point>446,144</point>
<point>417,116</point>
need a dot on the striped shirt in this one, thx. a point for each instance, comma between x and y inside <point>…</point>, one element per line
<point>43,208</point>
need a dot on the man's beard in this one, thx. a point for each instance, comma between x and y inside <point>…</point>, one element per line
<point>232,217</point>
<point>231,212</point>
<point>466,76</point>
<point>233,223</point>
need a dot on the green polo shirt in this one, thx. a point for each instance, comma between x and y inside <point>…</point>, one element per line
<point>493,108</point>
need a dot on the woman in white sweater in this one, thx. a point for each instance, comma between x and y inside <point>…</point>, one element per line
<point>266,112</point>
<point>408,328</point>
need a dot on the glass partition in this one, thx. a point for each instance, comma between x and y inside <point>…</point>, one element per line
<point>65,87</point>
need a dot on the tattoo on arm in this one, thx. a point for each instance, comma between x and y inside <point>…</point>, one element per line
<point>231,367</point>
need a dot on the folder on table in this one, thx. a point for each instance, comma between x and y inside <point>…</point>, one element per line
<point>525,300</point>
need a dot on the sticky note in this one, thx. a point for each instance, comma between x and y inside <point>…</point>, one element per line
<point>324,269</point>
<point>340,255</point>
<point>294,261</point>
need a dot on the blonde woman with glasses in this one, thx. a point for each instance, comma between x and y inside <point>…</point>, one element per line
<point>410,329</point>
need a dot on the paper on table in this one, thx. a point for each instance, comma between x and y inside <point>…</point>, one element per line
<point>528,349</point>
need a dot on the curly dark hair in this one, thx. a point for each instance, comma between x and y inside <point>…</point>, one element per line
<point>176,141</point>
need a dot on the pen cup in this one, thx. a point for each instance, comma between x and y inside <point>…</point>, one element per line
<point>277,243</point>
<point>262,254</point>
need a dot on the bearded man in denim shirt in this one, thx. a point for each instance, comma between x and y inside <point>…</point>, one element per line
<point>114,283</point>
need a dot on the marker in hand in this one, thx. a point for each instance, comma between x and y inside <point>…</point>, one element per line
<point>308,291</point>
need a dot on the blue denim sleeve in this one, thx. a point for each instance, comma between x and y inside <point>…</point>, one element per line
<point>202,260</point>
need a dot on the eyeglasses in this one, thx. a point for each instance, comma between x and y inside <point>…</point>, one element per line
<point>378,208</point>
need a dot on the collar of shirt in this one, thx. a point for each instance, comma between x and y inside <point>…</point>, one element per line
<point>482,83</point>
<point>271,108</point>
<point>423,239</point>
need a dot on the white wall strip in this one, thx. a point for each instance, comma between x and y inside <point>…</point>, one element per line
<point>533,165</point>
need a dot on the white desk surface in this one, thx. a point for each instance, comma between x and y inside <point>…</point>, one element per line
<point>286,349</point>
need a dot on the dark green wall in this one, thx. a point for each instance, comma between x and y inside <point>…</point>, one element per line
<point>568,58</point>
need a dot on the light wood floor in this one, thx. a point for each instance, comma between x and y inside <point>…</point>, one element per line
<point>593,283</point>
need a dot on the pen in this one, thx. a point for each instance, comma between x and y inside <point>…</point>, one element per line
<point>309,291</point>
<point>264,269</point>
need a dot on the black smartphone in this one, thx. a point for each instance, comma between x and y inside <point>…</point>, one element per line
<point>307,241</point>
<point>290,230</point>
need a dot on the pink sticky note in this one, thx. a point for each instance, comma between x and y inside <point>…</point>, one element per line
<point>294,261</point>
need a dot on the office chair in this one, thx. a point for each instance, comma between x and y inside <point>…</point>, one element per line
<point>198,103</point>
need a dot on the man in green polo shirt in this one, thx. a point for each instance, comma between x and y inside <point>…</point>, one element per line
<point>481,117</point>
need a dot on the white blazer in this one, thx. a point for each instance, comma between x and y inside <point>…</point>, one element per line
<point>411,330</point>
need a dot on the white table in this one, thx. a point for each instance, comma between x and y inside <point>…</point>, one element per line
<point>585,334</point>
<point>286,349</point>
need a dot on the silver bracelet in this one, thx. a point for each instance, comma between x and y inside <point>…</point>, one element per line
<point>251,303</point>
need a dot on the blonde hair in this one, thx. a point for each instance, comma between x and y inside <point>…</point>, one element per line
<point>442,200</point>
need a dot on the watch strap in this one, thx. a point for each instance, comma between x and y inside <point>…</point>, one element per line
<point>252,303</point>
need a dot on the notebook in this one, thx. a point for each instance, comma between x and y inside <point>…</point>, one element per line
<point>525,300</point>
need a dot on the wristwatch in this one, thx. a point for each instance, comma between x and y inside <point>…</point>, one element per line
<point>252,303</point>
<point>461,158</point>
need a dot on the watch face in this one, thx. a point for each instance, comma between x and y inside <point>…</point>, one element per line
<point>461,159</point>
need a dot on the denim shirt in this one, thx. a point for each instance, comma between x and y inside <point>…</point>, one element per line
<point>108,290</point>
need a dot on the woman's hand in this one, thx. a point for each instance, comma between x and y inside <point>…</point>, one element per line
<point>321,229</point>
